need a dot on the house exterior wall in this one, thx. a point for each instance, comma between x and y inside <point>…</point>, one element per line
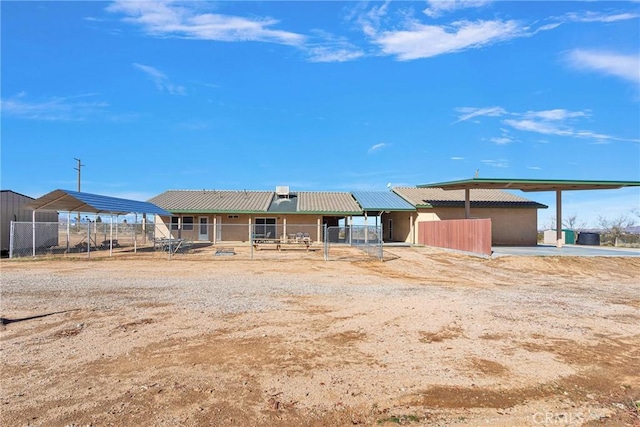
<point>402,226</point>
<point>235,227</point>
<point>509,226</point>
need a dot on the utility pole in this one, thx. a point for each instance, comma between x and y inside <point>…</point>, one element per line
<point>80,165</point>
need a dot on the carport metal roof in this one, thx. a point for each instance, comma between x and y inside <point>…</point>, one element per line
<point>74,201</point>
<point>380,201</point>
<point>531,185</point>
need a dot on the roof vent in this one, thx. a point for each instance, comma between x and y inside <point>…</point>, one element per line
<point>282,191</point>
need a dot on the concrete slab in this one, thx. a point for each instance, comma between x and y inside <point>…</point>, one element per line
<point>566,250</point>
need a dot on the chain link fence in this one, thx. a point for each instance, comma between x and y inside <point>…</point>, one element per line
<point>366,238</point>
<point>262,240</point>
<point>51,238</point>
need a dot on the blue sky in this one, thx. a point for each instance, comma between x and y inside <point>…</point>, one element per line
<point>321,96</point>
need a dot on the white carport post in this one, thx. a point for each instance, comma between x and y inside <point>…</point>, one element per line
<point>111,236</point>
<point>559,218</point>
<point>135,240</point>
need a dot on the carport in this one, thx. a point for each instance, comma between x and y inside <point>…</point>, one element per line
<point>75,201</point>
<point>530,185</point>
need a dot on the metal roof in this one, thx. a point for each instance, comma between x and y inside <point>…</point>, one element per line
<point>379,201</point>
<point>531,184</point>
<point>438,197</point>
<point>214,201</point>
<point>324,202</point>
<point>74,201</point>
<point>287,204</point>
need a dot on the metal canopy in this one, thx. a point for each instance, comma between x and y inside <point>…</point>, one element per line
<point>531,185</point>
<point>380,201</point>
<point>74,201</point>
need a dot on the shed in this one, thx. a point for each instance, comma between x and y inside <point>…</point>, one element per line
<point>12,208</point>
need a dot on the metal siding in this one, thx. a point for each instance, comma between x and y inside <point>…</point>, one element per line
<point>468,235</point>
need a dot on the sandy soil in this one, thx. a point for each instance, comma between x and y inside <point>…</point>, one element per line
<point>425,338</point>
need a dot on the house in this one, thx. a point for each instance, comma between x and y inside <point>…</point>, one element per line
<point>217,216</point>
<point>514,219</point>
<point>223,215</point>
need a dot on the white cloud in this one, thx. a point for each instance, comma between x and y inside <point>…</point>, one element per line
<point>330,48</point>
<point>502,140</point>
<point>471,112</point>
<point>425,41</point>
<point>499,163</point>
<point>615,64</point>
<point>160,79</point>
<point>560,129</point>
<point>457,158</point>
<point>599,17</point>
<point>555,114</point>
<point>377,147</point>
<point>547,122</point>
<point>70,108</point>
<point>535,168</point>
<point>168,18</point>
<point>439,7</point>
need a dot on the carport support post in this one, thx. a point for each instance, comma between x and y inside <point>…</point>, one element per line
<point>467,203</point>
<point>135,240</point>
<point>111,236</point>
<point>558,219</point>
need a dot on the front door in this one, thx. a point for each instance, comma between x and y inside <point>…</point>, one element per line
<point>203,228</point>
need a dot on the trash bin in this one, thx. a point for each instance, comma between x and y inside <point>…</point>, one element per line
<point>569,236</point>
<point>591,239</point>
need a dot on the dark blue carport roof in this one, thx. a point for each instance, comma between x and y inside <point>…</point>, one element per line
<point>381,201</point>
<point>74,201</point>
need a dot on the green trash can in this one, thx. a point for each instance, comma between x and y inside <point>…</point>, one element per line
<point>569,236</point>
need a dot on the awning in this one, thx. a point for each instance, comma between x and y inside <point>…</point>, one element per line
<point>531,184</point>
<point>381,201</point>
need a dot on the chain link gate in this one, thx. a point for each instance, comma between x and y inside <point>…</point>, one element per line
<point>366,238</point>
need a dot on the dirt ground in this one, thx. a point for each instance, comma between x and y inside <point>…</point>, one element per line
<point>425,338</point>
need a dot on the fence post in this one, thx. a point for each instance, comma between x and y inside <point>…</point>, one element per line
<point>326,243</point>
<point>33,232</point>
<point>11,239</point>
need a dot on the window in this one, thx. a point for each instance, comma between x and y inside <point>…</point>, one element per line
<point>187,223</point>
<point>233,216</point>
<point>265,227</point>
<point>175,223</point>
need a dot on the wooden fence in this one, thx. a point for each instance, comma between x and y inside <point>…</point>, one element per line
<point>469,235</point>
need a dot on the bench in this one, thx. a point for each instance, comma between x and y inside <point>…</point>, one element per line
<point>225,250</point>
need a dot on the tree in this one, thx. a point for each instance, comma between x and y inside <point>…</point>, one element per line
<point>616,227</point>
<point>571,222</point>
